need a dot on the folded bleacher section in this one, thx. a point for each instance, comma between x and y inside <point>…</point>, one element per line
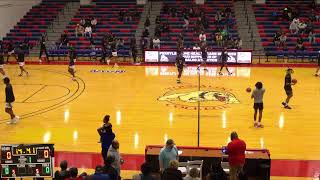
<point>190,37</point>
<point>35,23</point>
<point>269,21</point>
<point>107,14</point>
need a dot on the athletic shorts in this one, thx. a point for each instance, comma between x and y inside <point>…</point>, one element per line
<point>288,91</point>
<point>258,106</point>
<point>9,105</point>
<point>21,64</point>
<point>72,67</point>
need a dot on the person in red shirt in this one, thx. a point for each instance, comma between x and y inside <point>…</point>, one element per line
<point>236,151</point>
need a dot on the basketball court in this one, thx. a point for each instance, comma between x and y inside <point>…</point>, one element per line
<point>147,107</point>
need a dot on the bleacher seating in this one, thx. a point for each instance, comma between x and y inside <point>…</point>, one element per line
<point>106,13</point>
<point>269,25</point>
<point>35,22</point>
<point>190,38</point>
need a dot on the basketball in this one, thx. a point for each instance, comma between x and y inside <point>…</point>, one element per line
<point>294,81</point>
<point>248,89</point>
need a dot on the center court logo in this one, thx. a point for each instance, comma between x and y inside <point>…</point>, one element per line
<point>211,98</point>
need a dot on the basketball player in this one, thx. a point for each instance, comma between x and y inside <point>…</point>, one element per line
<point>224,57</point>
<point>180,63</point>
<point>9,101</point>
<point>2,63</point>
<point>204,55</point>
<point>288,88</point>
<point>43,48</point>
<point>72,59</point>
<point>318,69</point>
<point>10,50</point>
<point>20,53</point>
<point>257,95</point>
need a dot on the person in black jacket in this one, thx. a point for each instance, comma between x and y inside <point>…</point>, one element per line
<point>9,101</point>
<point>172,172</point>
<point>43,48</point>
<point>20,52</point>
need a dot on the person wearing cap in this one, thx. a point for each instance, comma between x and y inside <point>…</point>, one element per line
<point>236,150</point>
<point>167,154</point>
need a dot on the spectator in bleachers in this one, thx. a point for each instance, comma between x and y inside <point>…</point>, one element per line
<point>109,169</point>
<point>283,39</point>
<point>146,170</point>
<point>143,43</point>
<point>82,22</point>
<point>120,44</point>
<point>64,40</point>
<point>299,45</point>
<point>172,172</point>
<point>302,27</point>
<point>98,175</point>
<point>276,38</point>
<point>196,47</point>
<point>88,31</point>
<point>193,174</point>
<point>63,173</point>
<point>219,39</point>
<point>147,23</point>
<point>286,13</point>
<point>127,16</point>
<point>165,27</point>
<point>114,151</point>
<point>94,23</point>
<point>10,50</point>
<point>218,17</point>
<point>167,154</point>
<point>79,31</point>
<point>186,21</point>
<point>217,172</point>
<point>309,27</point>
<point>202,37</point>
<point>238,43</point>
<point>236,155</point>
<point>312,37</point>
<point>156,43</point>
<point>294,29</point>
<point>74,174</point>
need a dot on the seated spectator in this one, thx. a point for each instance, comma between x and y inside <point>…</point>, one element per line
<point>64,40</point>
<point>98,175</point>
<point>202,37</point>
<point>299,45</point>
<point>193,175</point>
<point>109,169</point>
<point>74,174</point>
<point>146,170</point>
<point>114,151</point>
<point>63,173</point>
<point>156,43</point>
<point>283,39</point>
<point>238,43</point>
<point>79,30</point>
<point>196,47</point>
<point>302,27</point>
<point>276,38</point>
<point>94,22</point>
<point>147,23</point>
<point>172,172</point>
<point>312,37</point>
<point>88,31</point>
<point>82,22</point>
<point>294,29</point>
<point>217,173</point>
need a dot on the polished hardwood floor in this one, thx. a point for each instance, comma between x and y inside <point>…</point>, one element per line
<point>147,106</point>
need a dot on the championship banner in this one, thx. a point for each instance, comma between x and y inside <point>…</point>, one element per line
<point>193,56</point>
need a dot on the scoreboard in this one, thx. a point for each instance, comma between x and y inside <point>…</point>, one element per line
<point>27,160</point>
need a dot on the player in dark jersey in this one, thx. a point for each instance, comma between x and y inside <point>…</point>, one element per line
<point>288,88</point>
<point>72,59</point>
<point>180,63</point>
<point>318,69</point>
<point>204,54</point>
<point>223,58</point>
<point>20,53</point>
<point>10,50</point>
<point>9,101</point>
<point>43,48</point>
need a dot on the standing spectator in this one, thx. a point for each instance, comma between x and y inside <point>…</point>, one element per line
<point>94,23</point>
<point>172,172</point>
<point>79,31</point>
<point>156,43</point>
<point>63,173</point>
<point>168,153</point>
<point>108,169</point>
<point>98,175</point>
<point>114,151</point>
<point>146,171</point>
<point>106,136</point>
<point>236,151</point>
<point>74,174</point>
<point>43,48</point>
<point>217,173</point>
<point>312,37</point>
<point>192,175</point>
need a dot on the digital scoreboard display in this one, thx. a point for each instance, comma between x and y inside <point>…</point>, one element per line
<point>27,160</point>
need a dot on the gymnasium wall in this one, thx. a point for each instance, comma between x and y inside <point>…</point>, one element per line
<point>11,11</point>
